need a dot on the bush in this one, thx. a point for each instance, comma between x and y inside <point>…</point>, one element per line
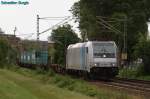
<point>7,53</point>
<point>140,70</point>
<point>63,82</point>
<point>40,70</point>
<point>73,85</point>
<point>66,83</point>
<point>50,72</point>
<point>133,72</point>
<point>128,73</point>
<point>142,50</point>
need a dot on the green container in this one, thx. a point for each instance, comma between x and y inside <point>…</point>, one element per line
<point>34,57</point>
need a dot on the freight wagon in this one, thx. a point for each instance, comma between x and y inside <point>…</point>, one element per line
<point>31,58</point>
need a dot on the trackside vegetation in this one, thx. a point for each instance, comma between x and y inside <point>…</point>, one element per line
<point>23,84</point>
<point>62,82</point>
<point>142,50</point>
<point>7,53</point>
<point>134,73</point>
<point>142,70</point>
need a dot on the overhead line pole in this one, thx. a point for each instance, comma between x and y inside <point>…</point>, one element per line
<point>125,37</point>
<point>38,27</point>
<point>15,31</point>
<point>65,19</point>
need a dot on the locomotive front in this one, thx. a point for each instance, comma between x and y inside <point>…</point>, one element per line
<point>104,56</point>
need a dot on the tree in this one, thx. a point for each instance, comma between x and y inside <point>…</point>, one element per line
<point>142,50</point>
<point>136,11</point>
<point>63,36</point>
<point>51,54</point>
<point>7,53</point>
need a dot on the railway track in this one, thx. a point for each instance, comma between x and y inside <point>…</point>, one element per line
<point>138,85</point>
<point>133,85</point>
<point>128,84</point>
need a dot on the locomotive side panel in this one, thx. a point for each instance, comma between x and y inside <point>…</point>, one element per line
<point>73,59</point>
<point>77,57</point>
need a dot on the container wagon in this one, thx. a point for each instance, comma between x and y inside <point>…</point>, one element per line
<point>33,58</point>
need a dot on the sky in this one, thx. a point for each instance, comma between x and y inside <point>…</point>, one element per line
<point>24,16</point>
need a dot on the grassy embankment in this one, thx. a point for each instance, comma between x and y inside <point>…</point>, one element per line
<point>22,83</point>
<point>134,73</point>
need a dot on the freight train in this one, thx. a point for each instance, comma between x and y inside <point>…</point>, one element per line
<point>97,59</point>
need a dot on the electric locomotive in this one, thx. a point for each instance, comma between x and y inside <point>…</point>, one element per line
<point>95,58</point>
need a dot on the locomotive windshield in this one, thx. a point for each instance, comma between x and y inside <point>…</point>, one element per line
<point>104,50</point>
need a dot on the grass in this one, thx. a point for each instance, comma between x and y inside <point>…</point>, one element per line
<point>38,84</point>
<point>18,86</point>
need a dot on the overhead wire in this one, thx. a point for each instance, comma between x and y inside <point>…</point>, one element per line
<point>107,25</point>
<point>28,35</point>
<point>58,24</point>
<point>53,17</point>
<point>65,20</point>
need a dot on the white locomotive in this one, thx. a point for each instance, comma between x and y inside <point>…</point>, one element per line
<point>97,58</point>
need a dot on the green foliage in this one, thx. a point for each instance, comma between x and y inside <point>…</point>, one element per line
<point>136,11</point>
<point>142,50</point>
<point>129,73</point>
<point>40,70</point>
<point>25,77</point>
<point>63,36</point>
<point>145,77</point>
<point>134,73</point>
<point>64,82</point>
<point>51,54</point>
<point>51,73</point>
<point>74,85</point>
<point>7,53</point>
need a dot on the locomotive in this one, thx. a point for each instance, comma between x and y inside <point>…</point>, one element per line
<point>93,58</point>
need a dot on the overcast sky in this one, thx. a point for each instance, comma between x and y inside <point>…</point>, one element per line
<point>24,16</point>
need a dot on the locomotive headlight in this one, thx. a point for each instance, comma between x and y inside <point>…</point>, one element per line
<point>113,64</point>
<point>104,56</point>
<point>95,64</point>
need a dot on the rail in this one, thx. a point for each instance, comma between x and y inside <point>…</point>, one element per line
<point>135,85</point>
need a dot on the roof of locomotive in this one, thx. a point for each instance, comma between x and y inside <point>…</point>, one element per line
<point>78,45</point>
